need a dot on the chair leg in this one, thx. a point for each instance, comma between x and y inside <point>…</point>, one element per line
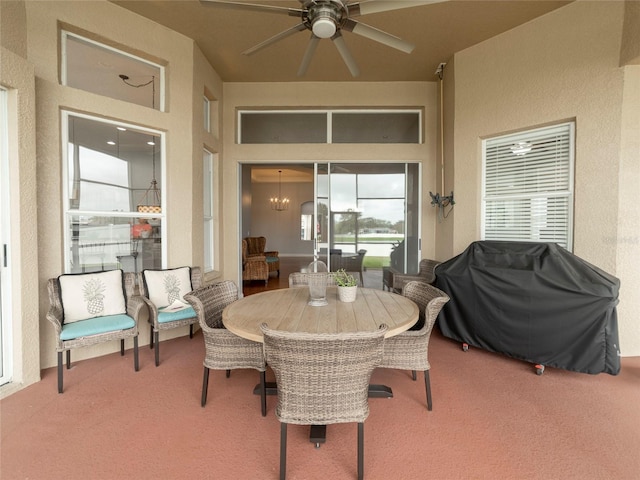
<point>68,359</point>
<point>413,375</point>
<point>427,384</point>
<point>191,331</point>
<point>151,336</point>
<point>361,279</point>
<point>205,387</point>
<point>136,360</point>
<point>122,347</point>
<point>157,347</point>
<point>360,450</point>
<point>60,372</point>
<point>263,393</point>
<point>228,373</point>
<point>283,451</point>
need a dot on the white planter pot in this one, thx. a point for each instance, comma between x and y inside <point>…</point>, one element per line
<point>347,294</point>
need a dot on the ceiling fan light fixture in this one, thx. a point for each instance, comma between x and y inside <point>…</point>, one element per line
<point>324,28</point>
<point>324,20</point>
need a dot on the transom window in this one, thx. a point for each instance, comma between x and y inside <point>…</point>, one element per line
<point>330,126</point>
<point>99,68</point>
<point>528,186</point>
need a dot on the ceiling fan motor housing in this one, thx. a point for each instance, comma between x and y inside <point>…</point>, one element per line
<point>324,17</point>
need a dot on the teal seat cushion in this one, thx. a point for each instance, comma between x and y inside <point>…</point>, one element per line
<point>181,314</point>
<point>96,325</point>
<point>271,259</point>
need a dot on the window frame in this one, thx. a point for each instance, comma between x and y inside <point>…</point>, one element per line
<point>209,203</point>
<point>528,138</point>
<point>329,121</point>
<point>69,213</point>
<point>64,55</point>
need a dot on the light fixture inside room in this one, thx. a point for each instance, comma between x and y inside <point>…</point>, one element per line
<point>521,148</point>
<point>279,203</point>
<point>150,202</point>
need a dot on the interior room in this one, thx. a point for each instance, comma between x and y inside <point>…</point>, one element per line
<point>159,135</point>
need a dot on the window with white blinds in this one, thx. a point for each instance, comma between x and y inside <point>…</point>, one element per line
<point>528,186</point>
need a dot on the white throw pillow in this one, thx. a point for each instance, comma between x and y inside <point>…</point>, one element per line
<point>166,286</point>
<point>89,295</point>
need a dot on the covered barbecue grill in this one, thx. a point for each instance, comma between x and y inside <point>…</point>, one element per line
<point>532,301</point>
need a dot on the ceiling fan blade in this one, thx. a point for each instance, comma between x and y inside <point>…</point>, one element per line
<point>376,35</point>
<point>308,55</point>
<point>376,6</point>
<point>293,12</point>
<point>345,54</point>
<point>269,41</point>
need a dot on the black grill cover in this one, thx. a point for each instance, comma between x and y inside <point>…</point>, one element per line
<point>532,301</point>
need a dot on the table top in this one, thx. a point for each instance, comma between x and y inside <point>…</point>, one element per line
<point>287,309</point>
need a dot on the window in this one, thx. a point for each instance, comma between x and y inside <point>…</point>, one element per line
<point>208,209</point>
<point>98,68</point>
<point>113,206</point>
<point>528,186</point>
<point>330,126</point>
<point>206,108</point>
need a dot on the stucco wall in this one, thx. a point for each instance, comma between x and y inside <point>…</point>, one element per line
<point>17,76</point>
<point>107,20</point>
<point>311,94</point>
<point>562,66</point>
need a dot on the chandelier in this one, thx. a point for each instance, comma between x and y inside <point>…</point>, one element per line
<point>279,203</point>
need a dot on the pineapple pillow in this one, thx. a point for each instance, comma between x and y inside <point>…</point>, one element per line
<point>89,295</point>
<point>166,286</point>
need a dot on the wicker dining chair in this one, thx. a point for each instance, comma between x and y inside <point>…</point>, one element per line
<point>161,319</point>
<point>322,378</point>
<point>410,350</point>
<point>96,329</point>
<point>426,273</point>
<point>301,279</point>
<point>224,350</point>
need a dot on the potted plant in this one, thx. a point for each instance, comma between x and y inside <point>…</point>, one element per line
<point>347,286</point>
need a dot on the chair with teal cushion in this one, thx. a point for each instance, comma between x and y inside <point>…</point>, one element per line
<point>92,308</point>
<point>163,291</point>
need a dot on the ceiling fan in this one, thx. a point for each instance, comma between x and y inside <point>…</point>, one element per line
<point>327,19</point>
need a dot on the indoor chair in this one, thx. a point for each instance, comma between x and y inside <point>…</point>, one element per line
<point>163,291</point>
<point>256,247</point>
<point>409,350</point>
<point>322,379</point>
<point>254,267</point>
<point>87,309</point>
<point>224,350</point>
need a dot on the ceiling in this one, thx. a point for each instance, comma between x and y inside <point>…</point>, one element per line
<point>438,30</point>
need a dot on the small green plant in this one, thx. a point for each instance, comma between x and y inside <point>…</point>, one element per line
<point>344,279</point>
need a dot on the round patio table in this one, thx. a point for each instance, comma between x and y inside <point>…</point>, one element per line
<point>288,309</point>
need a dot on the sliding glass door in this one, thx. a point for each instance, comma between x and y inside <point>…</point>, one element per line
<point>373,207</point>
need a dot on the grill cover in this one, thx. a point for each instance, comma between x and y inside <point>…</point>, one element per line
<point>532,301</point>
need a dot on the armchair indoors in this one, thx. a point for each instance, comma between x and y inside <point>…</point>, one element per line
<point>254,267</point>
<point>87,309</point>
<point>163,291</point>
<point>256,247</point>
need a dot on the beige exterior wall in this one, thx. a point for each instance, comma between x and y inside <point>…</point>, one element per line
<point>324,95</point>
<point>562,66</point>
<point>183,146</point>
<point>17,77</point>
